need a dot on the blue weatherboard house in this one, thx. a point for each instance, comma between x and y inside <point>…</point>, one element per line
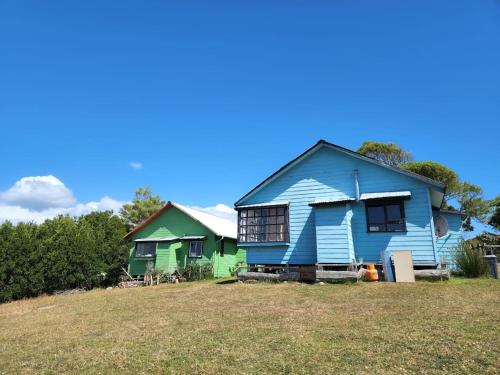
<point>331,206</point>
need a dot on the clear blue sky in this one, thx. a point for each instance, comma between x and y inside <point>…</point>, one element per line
<point>211,97</point>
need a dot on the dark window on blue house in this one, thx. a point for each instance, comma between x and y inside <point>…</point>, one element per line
<point>385,216</point>
<point>263,224</point>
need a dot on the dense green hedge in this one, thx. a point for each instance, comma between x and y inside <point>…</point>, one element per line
<point>61,253</point>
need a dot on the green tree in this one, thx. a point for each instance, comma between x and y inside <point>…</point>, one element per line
<point>494,219</point>
<point>387,153</point>
<point>437,172</point>
<point>143,206</point>
<point>112,251</point>
<point>68,253</point>
<point>469,197</point>
<point>21,275</point>
<point>61,253</point>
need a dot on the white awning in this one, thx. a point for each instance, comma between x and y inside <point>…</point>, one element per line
<point>170,239</point>
<point>157,239</point>
<point>193,237</point>
<point>336,201</point>
<point>269,204</point>
<point>382,195</point>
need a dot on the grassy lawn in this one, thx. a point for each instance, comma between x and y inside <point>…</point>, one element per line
<point>203,327</point>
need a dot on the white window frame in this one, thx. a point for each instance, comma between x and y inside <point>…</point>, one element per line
<point>201,249</point>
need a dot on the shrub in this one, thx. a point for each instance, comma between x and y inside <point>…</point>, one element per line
<point>470,261</point>
<point>195,271</point>
<point>61,253</point>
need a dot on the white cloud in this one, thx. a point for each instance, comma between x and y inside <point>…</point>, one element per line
<point>38,193</point>
<point>16,214</point>
<point>220,210</point>
<point>43,197</point>
<point>135,165</point>
<point>38,198</point>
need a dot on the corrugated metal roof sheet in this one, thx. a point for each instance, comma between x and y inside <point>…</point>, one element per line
<point>157,239</point>
<point>388,194</point>
<point>327,202</point>
<point>170,239</point>
<point>193,237</point>
<point>221,227</point>
<point>268,204</point>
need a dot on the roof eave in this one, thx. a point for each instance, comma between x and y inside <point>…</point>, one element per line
<point>268,179</point>
<point>322,142</point>
<point>160,211</point>
<point>140,226</point>
<point>195,219</point>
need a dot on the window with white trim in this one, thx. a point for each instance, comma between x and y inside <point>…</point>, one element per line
<point>195,249</point>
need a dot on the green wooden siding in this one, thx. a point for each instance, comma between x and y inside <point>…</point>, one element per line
<point>172,255</point>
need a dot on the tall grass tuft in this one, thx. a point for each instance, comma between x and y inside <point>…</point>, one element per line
<point>470,261</point>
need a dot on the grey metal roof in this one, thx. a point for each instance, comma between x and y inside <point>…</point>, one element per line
<point>193,237</point>
<point>157,239</point>
<point>170,239</point>
<point>269,204</point>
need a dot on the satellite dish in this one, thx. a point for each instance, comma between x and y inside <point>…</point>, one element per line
<point>440,226</point>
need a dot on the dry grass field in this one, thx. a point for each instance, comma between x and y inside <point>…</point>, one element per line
<point>208,328</point>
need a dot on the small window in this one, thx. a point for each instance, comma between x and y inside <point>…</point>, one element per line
<point>145,249</point>
<point>385,216</point>
<point>195,249</point>
<point>222,248</point>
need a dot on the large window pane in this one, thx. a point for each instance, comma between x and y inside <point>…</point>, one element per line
<point>376,214</point>
<point>385,216</point>
<point>145,249</point>
<point>263,224</point>
<point>393,212</point>
<point>195,249</point>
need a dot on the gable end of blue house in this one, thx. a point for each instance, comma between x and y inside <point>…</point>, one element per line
<point>341,207</point>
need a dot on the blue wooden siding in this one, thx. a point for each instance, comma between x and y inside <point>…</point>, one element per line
<point>329,174</point>
<point>446,245</point>
<point>333,234</point>
<point>418,237</point>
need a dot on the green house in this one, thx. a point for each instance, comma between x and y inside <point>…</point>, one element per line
<point>177,235</point>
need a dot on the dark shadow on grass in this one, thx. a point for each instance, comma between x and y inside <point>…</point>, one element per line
<point>224,282</point>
